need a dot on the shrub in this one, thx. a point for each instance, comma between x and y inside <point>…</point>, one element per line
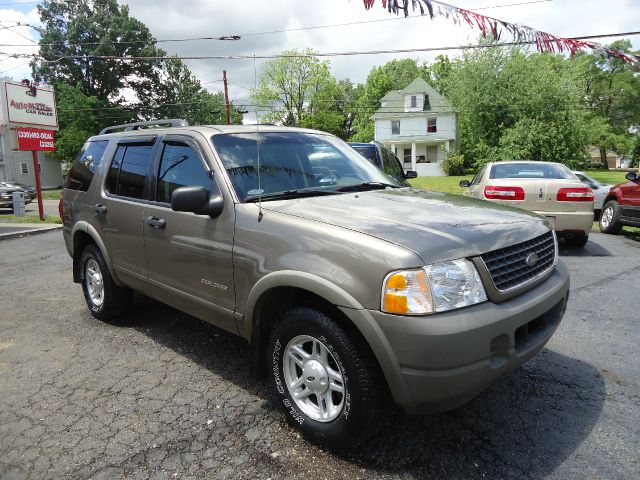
<point>453,164</point>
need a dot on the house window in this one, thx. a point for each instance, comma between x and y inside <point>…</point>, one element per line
<point>432,125</point>
<point>413,101</point>
<point>432,154</point>
<point>395,127</point>
<point>407,156</point>
<point>24,168</point>
<point>426,105</point>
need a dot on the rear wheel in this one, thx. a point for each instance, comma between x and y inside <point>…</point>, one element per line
<point>609,218</point>
<point>325,380</point>
<point>104,298</point>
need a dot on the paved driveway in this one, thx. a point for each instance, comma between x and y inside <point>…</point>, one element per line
<point>162,395</point>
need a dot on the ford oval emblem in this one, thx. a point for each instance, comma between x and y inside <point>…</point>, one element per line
<point>532,259</point>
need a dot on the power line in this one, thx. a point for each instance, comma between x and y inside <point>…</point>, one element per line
<point>267,32</point>
<point>305,55</point>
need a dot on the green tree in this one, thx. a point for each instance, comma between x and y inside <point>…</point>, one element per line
<point>331,109</point>
<point>288,84</point>
<point>81,116</point>
<point>613,91</point>
<point>512,105</point>
<point>95,27</point>
<point>180,94</point>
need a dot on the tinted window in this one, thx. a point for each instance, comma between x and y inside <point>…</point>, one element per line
<point>85,165</point>
<point>369,153</point>
<point>180,166</point>
<point>128,170</point>
<point>392,164</point>
<point>478,177</point>
<point>531,170</point>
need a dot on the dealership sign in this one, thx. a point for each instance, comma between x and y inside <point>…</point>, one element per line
<point>35,139</point>
<point>27,104</point>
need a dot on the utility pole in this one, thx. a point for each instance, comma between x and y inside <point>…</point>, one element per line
<point>226,96</point>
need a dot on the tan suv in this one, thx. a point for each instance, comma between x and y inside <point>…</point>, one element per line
<point>355,292</point>
<point>546,188</point>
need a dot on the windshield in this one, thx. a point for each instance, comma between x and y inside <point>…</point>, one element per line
<point>531,170</point>
<point>293,161</point>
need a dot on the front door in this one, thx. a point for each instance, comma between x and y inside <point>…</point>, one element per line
<point>190,256</point>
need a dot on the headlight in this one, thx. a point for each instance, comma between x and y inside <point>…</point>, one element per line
<point>435,288</point>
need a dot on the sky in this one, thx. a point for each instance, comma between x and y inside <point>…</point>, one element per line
<point>251,18</point>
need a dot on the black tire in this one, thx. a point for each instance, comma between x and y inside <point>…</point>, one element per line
<point>115,300</point>
<point>366,402</point>
<point>611,222</point>
<point>578,241</point>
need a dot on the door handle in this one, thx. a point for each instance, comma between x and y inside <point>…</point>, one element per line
<point>100,208</point>
<point>156,222</point>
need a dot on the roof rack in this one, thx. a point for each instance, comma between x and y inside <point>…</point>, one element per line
<point>128,127</point>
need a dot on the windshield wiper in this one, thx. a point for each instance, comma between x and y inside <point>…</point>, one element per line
<point>288,194</point>
<point>360,187</point>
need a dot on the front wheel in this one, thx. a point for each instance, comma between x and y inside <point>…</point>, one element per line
<point>609,218</point>
<point>326,381</point>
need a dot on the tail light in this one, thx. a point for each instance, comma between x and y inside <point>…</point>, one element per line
<point>61,208</point>
<point>581,194</point>
<point>503,193</point>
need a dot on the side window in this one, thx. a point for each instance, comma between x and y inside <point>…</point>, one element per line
<point>128,170</point>
<point>85,165</point>
<point>180,166</point>
<point>391,164</point>
<point>478,177</point>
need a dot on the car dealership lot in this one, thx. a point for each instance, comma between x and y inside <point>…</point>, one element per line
<point>162,395</point>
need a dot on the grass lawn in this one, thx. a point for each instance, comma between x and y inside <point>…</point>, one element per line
<point>440,184</point>
<point>607,177</point>
<point>29,219</point>
<point>51,194</point>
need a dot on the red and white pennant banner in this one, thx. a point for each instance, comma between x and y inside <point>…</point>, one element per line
<point>545,42</point>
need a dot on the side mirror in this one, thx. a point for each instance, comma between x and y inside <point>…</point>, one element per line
<point>465,183</point>
<point>197,200</point>
<point>631,176</point>
<point>410,174</point>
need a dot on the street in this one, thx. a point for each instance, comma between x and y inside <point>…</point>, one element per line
<point>159,394</point>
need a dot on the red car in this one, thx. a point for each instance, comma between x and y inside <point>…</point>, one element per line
<point>622,206</point>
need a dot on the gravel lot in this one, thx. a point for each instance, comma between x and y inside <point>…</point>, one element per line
<point>162,395</point>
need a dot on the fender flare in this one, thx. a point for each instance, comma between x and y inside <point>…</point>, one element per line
<point>87,228</point>
<point>296,279</point>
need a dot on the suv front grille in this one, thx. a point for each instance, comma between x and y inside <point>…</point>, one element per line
<point>508,266</point>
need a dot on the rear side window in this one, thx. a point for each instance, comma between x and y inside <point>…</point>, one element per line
<point>128,170</point>
<point>85,165</point>
<point>180,166</point>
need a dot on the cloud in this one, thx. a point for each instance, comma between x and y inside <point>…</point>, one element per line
<point>204,18</point>
<point>17,68</point>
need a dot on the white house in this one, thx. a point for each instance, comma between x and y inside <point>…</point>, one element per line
<point>419,125</point>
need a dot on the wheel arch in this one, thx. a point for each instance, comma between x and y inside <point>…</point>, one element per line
<point>281,291</point>
<point>82,235</point>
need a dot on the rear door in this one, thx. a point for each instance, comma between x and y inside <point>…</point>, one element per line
<point>189,256</point>
<point>120,210</point>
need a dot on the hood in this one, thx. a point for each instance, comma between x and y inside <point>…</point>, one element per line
<point>437,226</point>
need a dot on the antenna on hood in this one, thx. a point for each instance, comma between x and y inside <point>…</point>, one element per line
<point>255,86</point>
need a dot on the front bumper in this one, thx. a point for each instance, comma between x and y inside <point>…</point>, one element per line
<point>570,221</point>
<point>438,362</point>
